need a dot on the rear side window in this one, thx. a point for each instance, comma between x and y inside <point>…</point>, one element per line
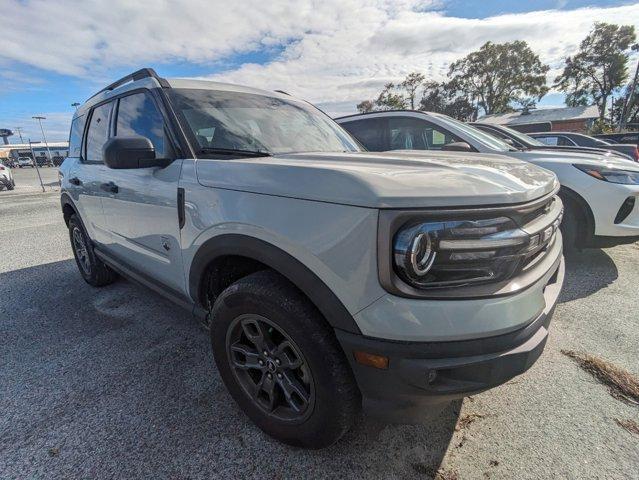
<point>98,132</point>
<point>417,134</point>
<point>138,116</point>
<point>75,137</point>
<point>548,140</point>
<point>369,132</point>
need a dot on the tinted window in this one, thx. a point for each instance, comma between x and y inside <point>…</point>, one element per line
<point>138,116</point>
<point>565,142</point>
<point>548,140</point>
<point>417,134</point>
<point>98,132</point>
<point>369,132</point>
<point>75,137</point>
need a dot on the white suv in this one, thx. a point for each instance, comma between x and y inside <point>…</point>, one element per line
<point>599,191</point>
<point>332,279</point>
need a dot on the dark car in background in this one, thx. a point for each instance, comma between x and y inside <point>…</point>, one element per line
<point>580,140</point>
<point>523,141</point>
<point>57,160</point>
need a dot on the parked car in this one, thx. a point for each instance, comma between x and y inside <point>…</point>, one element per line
<point>521,141</point>
<point>577,139</point>
<point>57,160</point>
<point>6,178</point>
<point>43,161</point>
<point>328,275</point>
<point>627,137</point>
<point>25,162</point>
<point>599,192</point>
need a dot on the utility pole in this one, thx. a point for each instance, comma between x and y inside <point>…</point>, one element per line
<point>35,162</point>
<point>628,102</point>
<point>19,130</point>
<point>39,119</point>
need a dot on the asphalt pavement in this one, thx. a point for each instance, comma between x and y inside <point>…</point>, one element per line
<point>117,382</point>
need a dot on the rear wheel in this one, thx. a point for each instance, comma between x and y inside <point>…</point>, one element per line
<point>94,271</point>
<point>282,363</point>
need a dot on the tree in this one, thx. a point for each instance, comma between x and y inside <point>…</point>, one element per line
<point>445,98</point>
<point>411,84</point>
<point>498,75</point>
<point>599,68</point>
<point>389,99</point>
<point>365,106</point>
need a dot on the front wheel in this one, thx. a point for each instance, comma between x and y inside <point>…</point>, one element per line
<point>282,363</point>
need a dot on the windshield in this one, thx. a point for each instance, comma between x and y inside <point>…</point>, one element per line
<point>523,138</point>
<point>493,143</point>
<point>235,121</point>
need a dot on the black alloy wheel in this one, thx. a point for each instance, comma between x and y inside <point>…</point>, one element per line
<point>268,365</point>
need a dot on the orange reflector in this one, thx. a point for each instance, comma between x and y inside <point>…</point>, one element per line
<point>372,360</point>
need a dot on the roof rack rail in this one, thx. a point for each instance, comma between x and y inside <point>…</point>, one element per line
<point>132,77</point>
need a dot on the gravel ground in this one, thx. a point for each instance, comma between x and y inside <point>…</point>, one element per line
<point>119,383</point>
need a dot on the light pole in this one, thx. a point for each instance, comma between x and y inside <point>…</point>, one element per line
<point>19,130</point>
<point>75,104</point>
<point>39,119</point>
<point>35,162</point>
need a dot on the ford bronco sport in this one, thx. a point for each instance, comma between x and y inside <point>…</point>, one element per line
<point>331,278</point>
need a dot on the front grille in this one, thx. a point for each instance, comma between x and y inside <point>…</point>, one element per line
<point>541,224</point>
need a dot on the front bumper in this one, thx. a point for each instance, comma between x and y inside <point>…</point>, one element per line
<point>423,377</point>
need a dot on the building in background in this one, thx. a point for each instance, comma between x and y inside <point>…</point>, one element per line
<point>13,151</point>
<point>565,119</point>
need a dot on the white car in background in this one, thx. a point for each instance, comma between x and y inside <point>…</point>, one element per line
<point>25,162</point>
<point>6,178</point>
<point>599,192</point>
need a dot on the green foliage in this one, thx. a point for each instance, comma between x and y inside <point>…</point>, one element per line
<point>390,99</point>
<point>411,84</point>
<point>599,68</point>
<point>365,106</point>
<point>600,126</point>
<point>445,98</point>
<point>498,75</point>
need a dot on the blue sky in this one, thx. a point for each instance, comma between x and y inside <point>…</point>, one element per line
<point>333,53</point>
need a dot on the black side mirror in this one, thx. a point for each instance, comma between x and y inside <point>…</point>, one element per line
<point>131,152</point>
<point>457,147</point>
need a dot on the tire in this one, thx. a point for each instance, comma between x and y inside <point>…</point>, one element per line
<point>572,226</point>
<point>11,185</point>
<point>322,389</point>
<point>94,271</point>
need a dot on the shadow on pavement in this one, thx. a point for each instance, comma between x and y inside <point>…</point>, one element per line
<point>587,272</point>
<point>117,382</point>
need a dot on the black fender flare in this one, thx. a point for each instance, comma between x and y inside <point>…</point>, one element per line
<point>65,199</point>
<point>295,271</point>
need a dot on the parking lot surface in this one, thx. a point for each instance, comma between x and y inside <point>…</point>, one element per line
<point>119,383</point>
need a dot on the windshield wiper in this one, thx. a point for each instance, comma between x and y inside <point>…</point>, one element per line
<point>233,151</point>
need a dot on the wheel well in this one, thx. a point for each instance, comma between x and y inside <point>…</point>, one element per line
<point>586,222</point>
<point>224,259</point>
<point>224,271</point>
<point>67,211</point>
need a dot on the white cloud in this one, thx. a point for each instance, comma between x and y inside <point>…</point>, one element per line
<point>335,52</point>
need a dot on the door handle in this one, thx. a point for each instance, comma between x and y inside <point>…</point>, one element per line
<point>75,181</point>
<point>109,187</point>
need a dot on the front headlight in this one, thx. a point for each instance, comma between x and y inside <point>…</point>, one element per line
<point>451,253</point>
<point>612,175</point>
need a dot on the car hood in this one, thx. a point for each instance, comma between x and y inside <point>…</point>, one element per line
<point>405,179</point>
<point>546,158</point>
